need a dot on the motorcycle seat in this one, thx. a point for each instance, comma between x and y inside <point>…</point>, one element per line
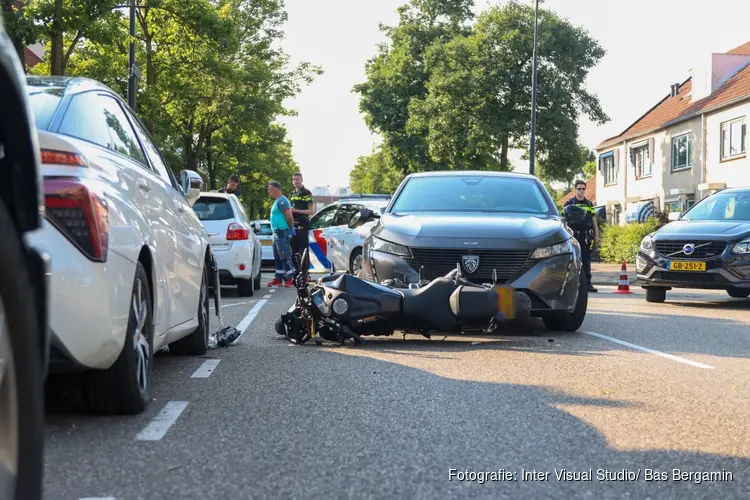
<point>431,303</point>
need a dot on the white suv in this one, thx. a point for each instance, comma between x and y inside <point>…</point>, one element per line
<point>235,246</point>
<point>131,262</point>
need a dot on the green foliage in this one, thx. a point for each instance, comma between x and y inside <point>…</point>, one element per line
<point>445,95</point>
<point>213,80</point>
<point>620,243</point>
<point>375,173</point>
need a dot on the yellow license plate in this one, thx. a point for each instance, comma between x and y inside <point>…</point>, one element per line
<point>680,265</point>
<point>505,302</point>
<point>266,243</point>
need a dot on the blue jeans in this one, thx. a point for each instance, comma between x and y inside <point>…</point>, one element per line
<point>282,254</point>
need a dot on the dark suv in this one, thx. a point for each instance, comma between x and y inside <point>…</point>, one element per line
<point>708,247</point>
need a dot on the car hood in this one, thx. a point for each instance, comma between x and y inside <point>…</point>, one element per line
<point>718,230</point>
<point>471,230</point>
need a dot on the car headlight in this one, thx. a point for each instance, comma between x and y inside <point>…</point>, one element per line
<point>647,243</point>
<point>388,247</point>
<point>552,250</point>
<point>743,247</point>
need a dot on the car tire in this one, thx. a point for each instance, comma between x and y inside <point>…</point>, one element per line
<point>120,389</point>
<point>257,281</point>
<point>24,380</point>
<point>196,344</point>
<point>356,256</point>
<point>738,293</point>
<point>571,321</point>
<point>245,288</point>
<point>656,295</point>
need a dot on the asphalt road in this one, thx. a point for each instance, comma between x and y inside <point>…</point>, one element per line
<point>648,390</point>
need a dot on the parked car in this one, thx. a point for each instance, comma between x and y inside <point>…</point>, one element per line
<point>234,243</point>
<point>333,244</point>
<point>500,228</point>
<point>23,289</point>
<point>265,236</point>
<point>708,247</point>
<point>131,262</point>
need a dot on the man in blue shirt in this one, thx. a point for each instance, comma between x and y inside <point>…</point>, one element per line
<point>282,225</point>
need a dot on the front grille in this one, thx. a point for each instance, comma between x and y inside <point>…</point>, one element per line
<point>689,277</point>
<point>510,264</point>
<point>703,249</point>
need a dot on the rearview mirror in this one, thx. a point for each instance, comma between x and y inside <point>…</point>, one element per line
<point>574,213</point>
<point>191,183</point>
<point>362,217</point>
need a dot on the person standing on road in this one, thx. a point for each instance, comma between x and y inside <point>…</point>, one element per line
<point>587,231</point>
<point>302,209</point>
<point>282,225</point>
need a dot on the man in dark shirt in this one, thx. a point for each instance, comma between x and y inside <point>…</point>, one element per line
<point>233,186</point>
<point>302,209</point>
<point>587,230</point>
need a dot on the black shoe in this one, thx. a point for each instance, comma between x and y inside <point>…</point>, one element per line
<point>592,289</point>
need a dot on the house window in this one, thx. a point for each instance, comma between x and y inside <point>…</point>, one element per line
<point>733,138</point>
<point>608,167</point>
<point>682,152</point>
<point>672,206</point>
<point>641,161</point>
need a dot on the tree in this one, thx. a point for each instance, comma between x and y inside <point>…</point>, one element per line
<point>478,100</point>
<point>397,74</point>
<point>375,174</point>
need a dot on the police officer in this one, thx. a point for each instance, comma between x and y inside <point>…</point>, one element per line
<point>587,231</point>
<point>302,209</point>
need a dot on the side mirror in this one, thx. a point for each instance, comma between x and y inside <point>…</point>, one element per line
<point>191,184</point>
<point>382,210</point>
<point>573,213</point>
<point>256,227</point>
<point>362,217</point>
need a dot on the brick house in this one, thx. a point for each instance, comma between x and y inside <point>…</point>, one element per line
<point>691,143</point>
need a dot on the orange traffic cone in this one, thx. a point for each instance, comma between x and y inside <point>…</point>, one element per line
<point>624,286</point>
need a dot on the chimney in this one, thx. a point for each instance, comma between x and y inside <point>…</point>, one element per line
<point>675,89</point>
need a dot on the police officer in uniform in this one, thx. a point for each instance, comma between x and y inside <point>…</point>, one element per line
<point>587,231</point>
<point>302,209</point>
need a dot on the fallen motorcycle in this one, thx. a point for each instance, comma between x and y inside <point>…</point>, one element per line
<point>343,308</point>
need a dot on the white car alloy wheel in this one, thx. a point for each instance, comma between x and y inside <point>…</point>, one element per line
<point>8,413</point>
<point>357,263</point>
<point>143,358</point>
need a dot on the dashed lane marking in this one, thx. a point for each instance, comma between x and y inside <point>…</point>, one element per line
<point>206,369</point>
<point>651,351</point>
<point>161,423</point>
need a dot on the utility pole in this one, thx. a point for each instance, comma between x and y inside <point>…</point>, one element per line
<point>132,70</point>
<point>532,143</point>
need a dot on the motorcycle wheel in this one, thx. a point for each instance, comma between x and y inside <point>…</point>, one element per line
<point>21,374</point>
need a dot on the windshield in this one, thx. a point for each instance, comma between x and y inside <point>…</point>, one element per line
<point>44,102</point>
<point>722,206</point>
<point>213,209</point>
<point>471,194</point>
<point>265,229</point>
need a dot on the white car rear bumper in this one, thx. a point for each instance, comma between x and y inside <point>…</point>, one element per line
<point>236,261</point>
<point>89,303</point>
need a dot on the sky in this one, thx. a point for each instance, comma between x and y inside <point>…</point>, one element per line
<point>650,45</point>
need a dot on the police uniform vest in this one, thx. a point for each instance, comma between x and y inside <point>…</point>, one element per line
<point>301,199</point>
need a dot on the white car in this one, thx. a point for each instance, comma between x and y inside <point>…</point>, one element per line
<point>235,245</point>
<point>265,235</point>
<point>131,263</point>
<point>333,245</point>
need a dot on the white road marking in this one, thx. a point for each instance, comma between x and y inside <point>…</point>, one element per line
<point>206,369</point>
<point>267,296</point>
<point>250,317</point>
<point>98,498</point>
<point>233,304</point>
<point>161,423</point>
<point>272,290</point>
<point>651,351</point>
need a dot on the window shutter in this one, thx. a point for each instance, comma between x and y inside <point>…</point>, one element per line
<point>651,151</point>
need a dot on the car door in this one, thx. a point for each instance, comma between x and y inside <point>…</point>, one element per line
<point>340,238</point>
<point>185,227</point>
<point>254,240</point>
<point>320,223</point>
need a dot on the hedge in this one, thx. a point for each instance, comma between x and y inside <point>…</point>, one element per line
<point>620,243</point>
